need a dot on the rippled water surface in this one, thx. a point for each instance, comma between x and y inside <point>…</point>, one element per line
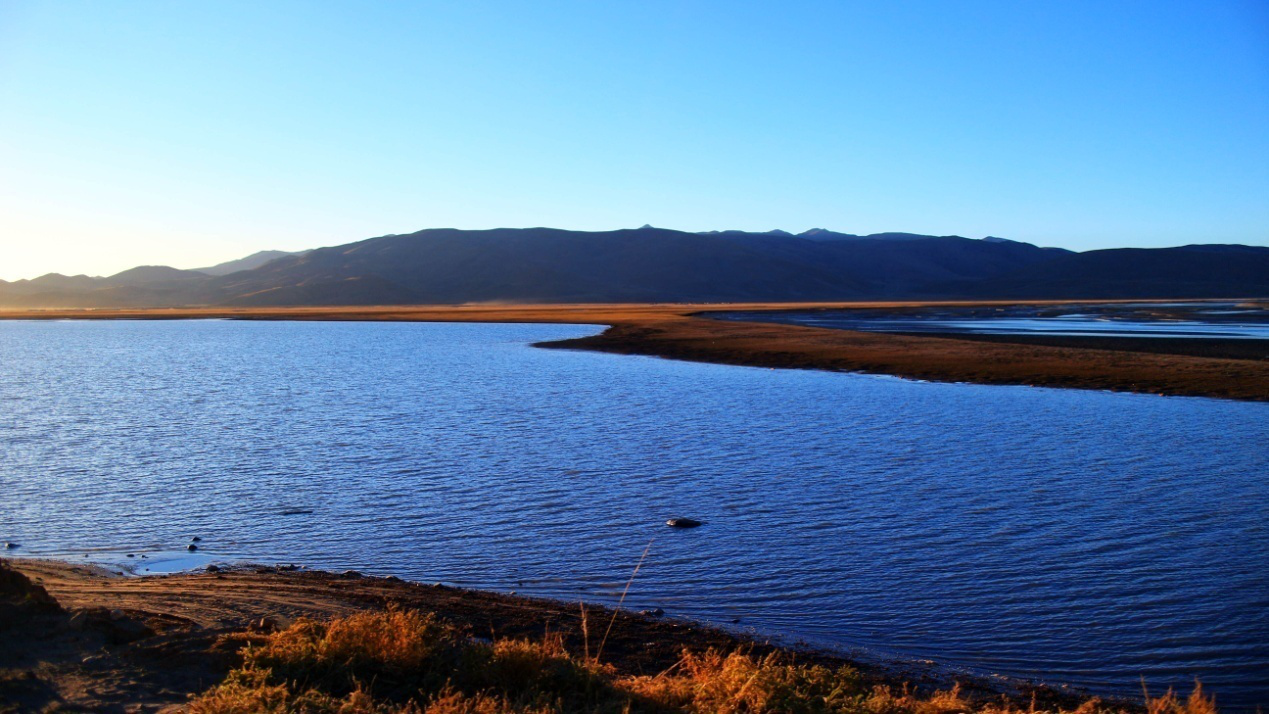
<point>1067,536</point>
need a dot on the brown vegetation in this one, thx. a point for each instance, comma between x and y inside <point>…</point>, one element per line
<point>404,662</point>
<point>283,640</point>
<point>678,332</point>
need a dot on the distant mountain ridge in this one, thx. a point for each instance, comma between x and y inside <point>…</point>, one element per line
<point>446,265</point>
<point>251,262</point>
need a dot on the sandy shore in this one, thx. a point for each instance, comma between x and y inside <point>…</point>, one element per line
<point>130,644</point>
<point>683,332</point>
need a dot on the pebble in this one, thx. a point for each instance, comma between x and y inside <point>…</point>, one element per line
<point>191,547</point>
<point>683,523</point>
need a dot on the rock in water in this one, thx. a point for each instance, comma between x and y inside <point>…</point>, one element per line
<point>191,547</point>
<point>683,523</point>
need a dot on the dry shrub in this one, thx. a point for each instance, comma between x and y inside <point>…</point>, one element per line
<point>250,691</point>
<point>1196,703</point>
<point>884,700</point>
<point>714,682</point>
<point>516,667</point>
<point>406,662</point>
<point>393,648</point>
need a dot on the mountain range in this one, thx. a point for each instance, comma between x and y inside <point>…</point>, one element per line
<point>540,265</point>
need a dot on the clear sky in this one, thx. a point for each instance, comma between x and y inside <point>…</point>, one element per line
<point>188,133</point>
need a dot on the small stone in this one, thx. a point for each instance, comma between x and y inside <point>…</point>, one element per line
<point>196,539</point>
<point>10,546</point>
<point>191,547</point>
<point>213,568</point>
<point>351,574</point>
<point>683,523</point>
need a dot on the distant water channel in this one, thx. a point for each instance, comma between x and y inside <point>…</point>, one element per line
<point>1062,536</point>
<point>1179,320</point>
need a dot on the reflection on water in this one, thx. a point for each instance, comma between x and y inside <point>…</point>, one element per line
<point>1246,321</point>
<point>1068,536</point>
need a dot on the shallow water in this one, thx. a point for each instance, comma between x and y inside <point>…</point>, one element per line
<point>1173,320</point>
<point>1066,536</point>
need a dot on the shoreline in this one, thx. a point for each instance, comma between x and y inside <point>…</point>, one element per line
<point>162,637</point>
<point>686,332</point>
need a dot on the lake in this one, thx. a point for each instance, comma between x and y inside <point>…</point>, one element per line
<point>1063,536</point>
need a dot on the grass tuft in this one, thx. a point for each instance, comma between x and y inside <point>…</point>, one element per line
<point>407,662</point>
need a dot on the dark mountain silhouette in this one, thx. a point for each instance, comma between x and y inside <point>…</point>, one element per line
<point>647,264</point>
<point>1188,271</point>
<point>642,265</point>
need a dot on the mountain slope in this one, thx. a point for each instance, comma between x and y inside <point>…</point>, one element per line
<point>251,262</point>
<point>1193,271</point>
<point>146,274</point>
<point>642,265</point>
<point>446,265</point>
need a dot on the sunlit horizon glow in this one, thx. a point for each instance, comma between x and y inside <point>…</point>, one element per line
<point>188,134</point>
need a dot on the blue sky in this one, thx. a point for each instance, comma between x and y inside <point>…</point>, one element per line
<point>187,133</point>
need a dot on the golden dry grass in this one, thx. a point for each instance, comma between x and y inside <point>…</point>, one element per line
<point>407,662</point>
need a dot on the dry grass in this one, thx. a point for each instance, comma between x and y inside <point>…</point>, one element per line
<point>1169,703</point>
<point>406,662</point>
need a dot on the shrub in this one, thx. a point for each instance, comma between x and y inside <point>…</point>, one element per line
<point>406,662</point>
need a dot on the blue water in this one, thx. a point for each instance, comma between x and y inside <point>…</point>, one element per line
<point>1063,536</point>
